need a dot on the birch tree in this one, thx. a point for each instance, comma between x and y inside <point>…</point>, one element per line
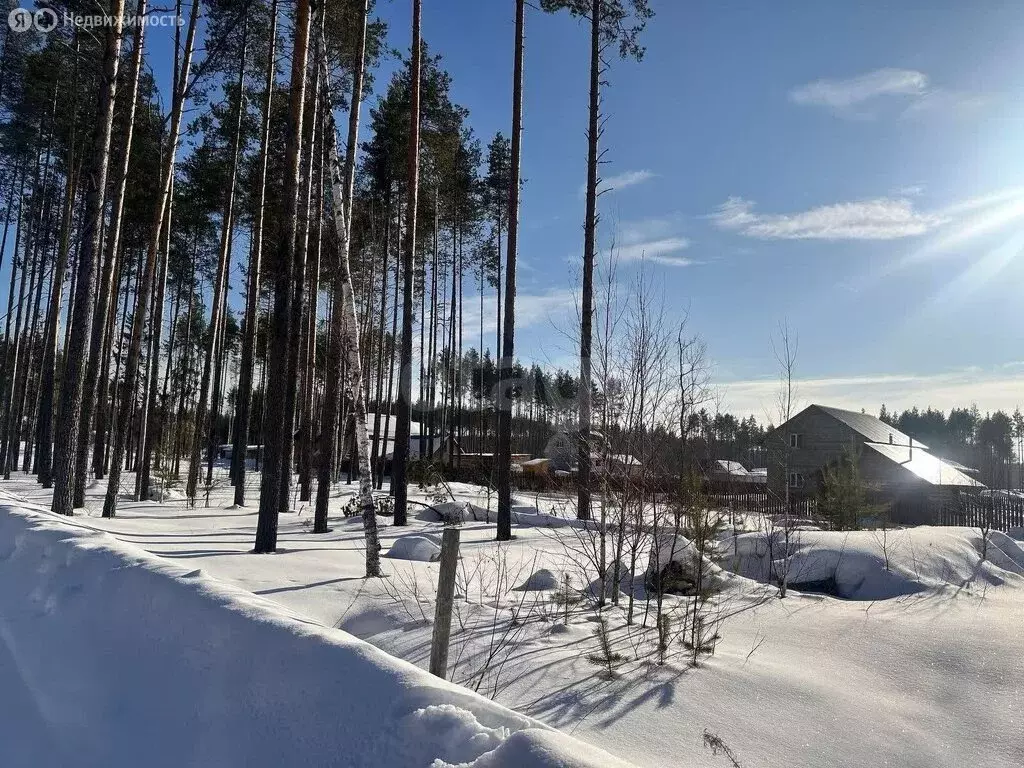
<point>347,322</point>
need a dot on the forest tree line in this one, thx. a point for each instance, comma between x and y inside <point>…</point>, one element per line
<point>200,251</point>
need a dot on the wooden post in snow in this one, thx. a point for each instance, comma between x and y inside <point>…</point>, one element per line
<point>445,598</point>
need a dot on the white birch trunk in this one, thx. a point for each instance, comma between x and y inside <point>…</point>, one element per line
<point>342,182</point>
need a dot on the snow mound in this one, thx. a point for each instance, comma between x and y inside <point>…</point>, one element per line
<point>111,656</point>
<point>539,581</point>
<point>454,512</point>
<point>166,494</point>
<point>424,548</point>
<point>625,580</point>
<point>879,565</point>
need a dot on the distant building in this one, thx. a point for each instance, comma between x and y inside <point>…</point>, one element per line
<point>563,448</point>
<point>621,464</point>
<point>389,425</point>
<point>731,473</point>
<point>894,466</point>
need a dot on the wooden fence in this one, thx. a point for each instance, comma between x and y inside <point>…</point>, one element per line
<point>1000,513</point>
<point>763,502</point>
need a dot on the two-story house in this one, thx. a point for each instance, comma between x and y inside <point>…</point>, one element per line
<point>895,466</point>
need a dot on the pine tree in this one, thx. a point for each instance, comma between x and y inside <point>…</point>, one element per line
<point>609,24</point>
<point>243,401</point>
<point>122,416</point>
<point>276,476</point>
<point>67,434</point>
<point>399,466</point>
<point>507,352</point>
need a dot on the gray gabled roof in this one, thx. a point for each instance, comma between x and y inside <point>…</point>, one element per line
<point>872,429</point>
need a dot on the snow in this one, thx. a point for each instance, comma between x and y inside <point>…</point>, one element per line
<point>110,656</point>
<point>540,580</point>
<point>879,565</point>
<point>918,664</point>
<point>425,549</point>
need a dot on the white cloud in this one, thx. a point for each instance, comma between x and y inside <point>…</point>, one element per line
<point>990,389</point>
<point>651,228</point>
<point>843,94</point>
<point>941,101</point>
<point>664,251</point>
<point>531,309</point>
<point>913,190</point>
<point>862,96</point>
<point>620,181</point>
<point>879,219</point>
<point>656,240</point>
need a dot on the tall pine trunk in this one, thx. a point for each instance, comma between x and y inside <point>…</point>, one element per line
<point>149,425</point>
<point>400,463</point>
<point>504,450</point>
<point>277,471</point>
<point>300,303</point>
<point>72,385</point>
<point>583,511</point>
<point>44,457</point>
<point>243,400</point>
<point>122,415</point>
<point>94,399</point>
<point>206,416</point>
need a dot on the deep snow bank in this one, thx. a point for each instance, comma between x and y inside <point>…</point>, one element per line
<point>878,565</point>
<point>110,656</point>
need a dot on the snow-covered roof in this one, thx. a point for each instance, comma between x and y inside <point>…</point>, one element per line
<point>732,467</point>
<point>415,427</point>
<point>919,462</point>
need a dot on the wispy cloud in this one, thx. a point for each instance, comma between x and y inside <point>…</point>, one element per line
<point>942,101</point>
<point>656,240</point>
<point>620,181</point>
<point>861,97</point>
<point>665,252</point>
<point>879,219</point>
<point>849,92</point>
<point>912,190</point>
<point>531,309</point>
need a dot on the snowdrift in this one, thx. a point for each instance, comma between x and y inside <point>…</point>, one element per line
<point>424,548</point>
<point>878,565</point>
<point>110,656</point>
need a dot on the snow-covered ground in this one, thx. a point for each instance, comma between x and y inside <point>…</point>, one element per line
<point>932,676</point>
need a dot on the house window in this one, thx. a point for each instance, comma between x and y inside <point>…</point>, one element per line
<point>796,480</point>
<point>796,440</point>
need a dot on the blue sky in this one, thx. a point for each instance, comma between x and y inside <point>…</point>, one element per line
<point>855,169</point>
